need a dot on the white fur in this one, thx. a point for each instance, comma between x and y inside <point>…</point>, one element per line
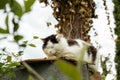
<point>62,49</point>
<point>74,52</point>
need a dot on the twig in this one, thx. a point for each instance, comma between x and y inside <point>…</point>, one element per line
<point>32,71</point>
<point>71,27</point>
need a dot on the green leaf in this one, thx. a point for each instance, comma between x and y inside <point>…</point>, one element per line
<point>16,26</point>
<point>32,45</point>
<point>16,8</point>
<point>28,4</point>
<point>3,31</point>
<point>20,52</point>
<point>69,70</point>
<point>31,77</point>
<point>13,64</point>
<point>22,45</point>
<point>3,3</point>
<point>82,52</point>
<point>6,22</point>
<point>9,58</point>
<point>1,64</point>
<point>35,37</point>
<point>25,42</point>
<point>18,37</point>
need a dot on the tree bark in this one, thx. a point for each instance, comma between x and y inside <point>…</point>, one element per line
<point>74,17</point>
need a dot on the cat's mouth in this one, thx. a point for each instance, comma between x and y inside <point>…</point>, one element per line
<point>49,53</point>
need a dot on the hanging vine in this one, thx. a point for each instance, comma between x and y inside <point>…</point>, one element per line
<point>74,17</point>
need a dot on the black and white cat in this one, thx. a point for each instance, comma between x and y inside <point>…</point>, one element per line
<point>58,46</point>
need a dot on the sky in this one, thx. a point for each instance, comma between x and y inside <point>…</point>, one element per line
<point>34,24</point>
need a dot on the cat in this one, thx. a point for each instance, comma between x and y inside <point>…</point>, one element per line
<point>57,46</point>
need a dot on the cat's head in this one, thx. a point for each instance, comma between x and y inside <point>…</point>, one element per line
<point>48,45</point>
<point>49,42</point>
<point>50,39</point>
<point>54,38</point>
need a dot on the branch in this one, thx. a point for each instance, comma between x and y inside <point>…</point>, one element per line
<point>30,69</point>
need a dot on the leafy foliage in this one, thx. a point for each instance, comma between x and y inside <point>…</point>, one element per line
<point>74,17</point>
<point>7,63</point>
<point>28,4</point>
<point>7,25</point>
<point>32,45</point>
<point>31,77</point>
<point>3,3</point>
<point>117,32</point>
<point>18,37</point>
<point>16,26</point>
<point>6,67</point>
<point>5,31</point>
<point>16,8</point>
<point>70,70</point>
<point>35,37</point>
<point>18,11</point>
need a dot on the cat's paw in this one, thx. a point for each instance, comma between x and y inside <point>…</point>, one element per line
<point>52,57</point>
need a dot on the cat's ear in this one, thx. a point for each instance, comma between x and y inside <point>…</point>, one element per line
<point>59,36</point>
<point>43,39</point>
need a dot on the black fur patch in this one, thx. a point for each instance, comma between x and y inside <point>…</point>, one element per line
<point>51,38</point>
<point>72,42</point>
<point>92,50</point>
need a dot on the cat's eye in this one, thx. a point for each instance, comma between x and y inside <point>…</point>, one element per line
<point>49,46</point>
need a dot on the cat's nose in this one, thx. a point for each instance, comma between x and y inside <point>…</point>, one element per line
<point>50,52</point>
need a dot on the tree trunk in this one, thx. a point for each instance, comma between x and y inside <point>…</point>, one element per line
<point>74,17</point>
